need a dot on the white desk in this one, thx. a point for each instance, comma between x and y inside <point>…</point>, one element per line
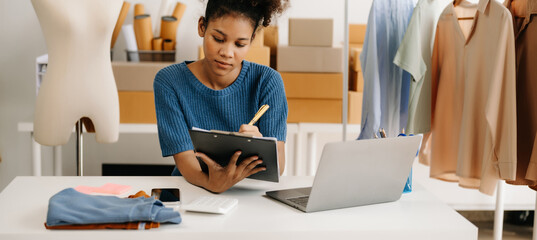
<point>418,215</point>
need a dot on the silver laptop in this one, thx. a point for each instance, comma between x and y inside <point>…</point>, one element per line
<point>356,173</point>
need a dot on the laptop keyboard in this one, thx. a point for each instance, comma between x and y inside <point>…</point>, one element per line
<point>301,201</point>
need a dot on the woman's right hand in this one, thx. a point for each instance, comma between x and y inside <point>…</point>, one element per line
<point>223,178</point>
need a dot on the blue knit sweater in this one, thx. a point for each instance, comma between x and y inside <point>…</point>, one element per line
<point>183,102</point>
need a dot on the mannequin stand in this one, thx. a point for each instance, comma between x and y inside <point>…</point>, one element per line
<point>79,149</point>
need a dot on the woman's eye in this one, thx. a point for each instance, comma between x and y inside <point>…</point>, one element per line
<point>241,43</point>
<point>218,39</point>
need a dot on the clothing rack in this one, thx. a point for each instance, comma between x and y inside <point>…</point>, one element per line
<point>499,208</point>
<point>344,111</point>
<point>535,221</point>
<point>499,212</point>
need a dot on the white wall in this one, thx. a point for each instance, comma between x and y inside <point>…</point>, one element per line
<point>21,41</point>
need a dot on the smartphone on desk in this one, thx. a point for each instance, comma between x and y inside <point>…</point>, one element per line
<point>167,195</point>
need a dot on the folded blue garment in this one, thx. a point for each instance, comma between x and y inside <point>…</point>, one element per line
<point>72,207</point>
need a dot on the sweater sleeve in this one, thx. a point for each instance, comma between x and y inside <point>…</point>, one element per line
<point>274,122</point>
<point>172,128</point>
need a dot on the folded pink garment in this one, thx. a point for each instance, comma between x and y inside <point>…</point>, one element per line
<point>108,188</point>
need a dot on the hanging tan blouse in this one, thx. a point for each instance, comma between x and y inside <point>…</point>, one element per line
<point>474,111</point>
<point>525,32</point>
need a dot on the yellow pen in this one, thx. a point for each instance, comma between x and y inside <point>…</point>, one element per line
<point>259,113</point>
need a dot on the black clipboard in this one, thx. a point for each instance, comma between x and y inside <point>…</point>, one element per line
<point>220,146</point>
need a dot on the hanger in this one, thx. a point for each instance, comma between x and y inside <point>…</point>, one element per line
<point>457,2</point>
<point>465,18</point>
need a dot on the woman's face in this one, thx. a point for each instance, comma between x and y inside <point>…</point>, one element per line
<point>226,42</point>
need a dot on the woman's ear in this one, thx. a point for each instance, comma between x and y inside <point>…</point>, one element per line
<point>201,27</point>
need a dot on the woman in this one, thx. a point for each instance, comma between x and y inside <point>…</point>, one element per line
<point>221,92</point>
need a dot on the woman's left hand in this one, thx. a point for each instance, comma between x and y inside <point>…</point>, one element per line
<point>250,130</point>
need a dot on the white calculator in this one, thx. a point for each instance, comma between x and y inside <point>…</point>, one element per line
<point>211,204</point>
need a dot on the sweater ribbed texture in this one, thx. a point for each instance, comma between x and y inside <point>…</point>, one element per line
<point>183,102</point>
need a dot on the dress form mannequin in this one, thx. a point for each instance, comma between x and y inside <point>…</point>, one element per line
<point>79,81</point>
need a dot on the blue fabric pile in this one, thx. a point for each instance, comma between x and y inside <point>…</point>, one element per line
<point>70,207</point>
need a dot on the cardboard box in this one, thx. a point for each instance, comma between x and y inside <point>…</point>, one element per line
<point>309,59</point>
<point>258,39</point>
<point>354,115</point>
<point>136,76</point>
<point>314,110</point>
<point>357,33</point>
<point>260,55</point>
<point>313,85</point>
<point>353,46</point>
<point>354,60</point>
<point>356,81</point>
<point>325,110</point>
<point>271,39</point>
<point>315,32</point>
<point>137,107</point>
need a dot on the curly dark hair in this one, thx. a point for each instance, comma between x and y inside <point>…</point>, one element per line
<point>260,12</point>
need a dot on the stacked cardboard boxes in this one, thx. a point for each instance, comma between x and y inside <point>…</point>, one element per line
<point>313,97</point>
<point>311,68</point>
<point>310,48</point>
<point>134,82</point>
<point>257,53</point>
